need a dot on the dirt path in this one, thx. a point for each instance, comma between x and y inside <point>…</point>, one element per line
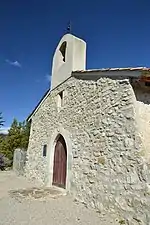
<point>17,209</point>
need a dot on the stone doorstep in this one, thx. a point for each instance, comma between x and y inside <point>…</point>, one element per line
<point>60,190</point>
<point>38,193</point>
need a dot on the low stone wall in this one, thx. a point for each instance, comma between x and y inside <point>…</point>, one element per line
<point>108,171</point>
<point>19,160</point>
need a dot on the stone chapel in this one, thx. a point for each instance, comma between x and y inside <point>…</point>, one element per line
<point>90,133</point>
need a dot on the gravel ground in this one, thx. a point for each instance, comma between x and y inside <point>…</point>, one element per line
<point>60,210</point>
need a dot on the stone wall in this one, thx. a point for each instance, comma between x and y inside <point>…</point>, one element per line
<point>108,171</point>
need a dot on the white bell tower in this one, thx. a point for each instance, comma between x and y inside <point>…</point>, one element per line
<point>70,55</point>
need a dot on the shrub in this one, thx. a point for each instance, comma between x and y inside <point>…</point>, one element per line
<point>2,163</point>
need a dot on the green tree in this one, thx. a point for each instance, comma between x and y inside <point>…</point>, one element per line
<point>18,137</point>
<point>25,133</point>
<point>1,120</point>
<point>14,136</point>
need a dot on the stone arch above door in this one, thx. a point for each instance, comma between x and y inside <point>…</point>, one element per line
<point>51,149</point>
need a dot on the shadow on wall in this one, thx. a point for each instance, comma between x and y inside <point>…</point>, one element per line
<point>142,91</point>
<point>142,107</point>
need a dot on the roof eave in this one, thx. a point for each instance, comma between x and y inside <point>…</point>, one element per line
<point>108,73</point>
<point>37,106</point>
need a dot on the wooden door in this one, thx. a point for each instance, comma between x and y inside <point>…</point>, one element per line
<point>60,163</point>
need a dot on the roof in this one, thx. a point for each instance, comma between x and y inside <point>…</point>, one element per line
<point>114,69</point>
<point>143,72</point>
<point>42,99</point>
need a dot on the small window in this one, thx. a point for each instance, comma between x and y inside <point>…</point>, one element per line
<point>44,150</point>
<point>63,50</point>
<point>60,99</point>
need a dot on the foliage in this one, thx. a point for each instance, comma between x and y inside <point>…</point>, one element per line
<point>18,137</point>
<point>1,120</point>
<point>2,164</point>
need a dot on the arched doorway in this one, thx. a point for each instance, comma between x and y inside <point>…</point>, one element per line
<point>60,163</point>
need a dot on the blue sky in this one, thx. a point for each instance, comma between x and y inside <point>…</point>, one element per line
<point>117,35</point>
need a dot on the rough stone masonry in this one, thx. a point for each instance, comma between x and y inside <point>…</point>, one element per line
<point>108,169</point>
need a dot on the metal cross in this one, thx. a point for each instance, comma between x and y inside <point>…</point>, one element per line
<point>69,27</point>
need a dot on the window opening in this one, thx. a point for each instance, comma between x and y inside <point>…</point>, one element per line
<point>44,150</point>
<point>63,50</point>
